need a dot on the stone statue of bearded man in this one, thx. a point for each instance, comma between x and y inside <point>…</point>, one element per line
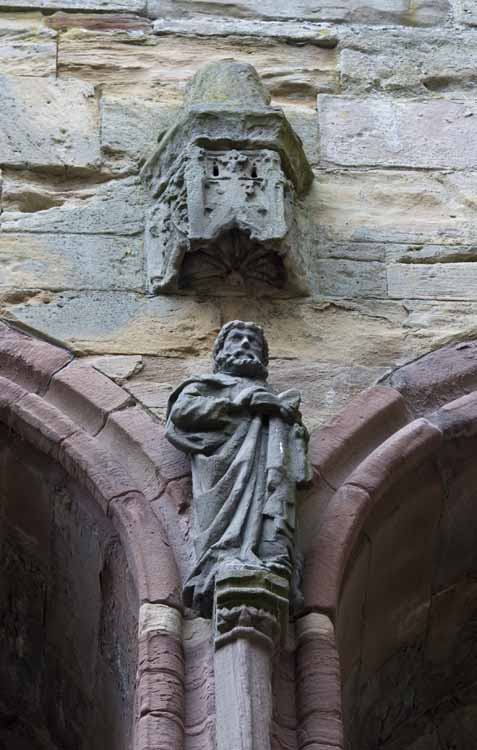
<point>248,452</point>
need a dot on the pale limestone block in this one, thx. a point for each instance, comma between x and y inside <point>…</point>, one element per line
<point>408,12</point>
<point>62,261</point>
<point>159,618</point>
<point>437,325</point>
<point>351,278</point>
<point>432,134</point>
<point>27,46</point>
<point>138,64</point>
<point>322,35</point>
<point>408,61</point>
<point>395,206</point>
<point>121,322</point>
<point>131,6</point>
<point>326,387</point>
<point>115,207</point>
<point>313,625</point>
<point>130,129</point>
<point>48,124</point>
<point>433,281</point>
<point>465,12</point>
<point>369,251</point>
<point>430,253</point>
<point>351,332</point>
<point>304,122</point>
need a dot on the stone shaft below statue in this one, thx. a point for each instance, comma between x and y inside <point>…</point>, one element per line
<point>243,696</point>
<point>250,617</point>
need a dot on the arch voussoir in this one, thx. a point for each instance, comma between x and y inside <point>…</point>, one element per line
<point>61,408</point>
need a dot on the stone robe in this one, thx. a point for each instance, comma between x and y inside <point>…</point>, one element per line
<point>245,468</point>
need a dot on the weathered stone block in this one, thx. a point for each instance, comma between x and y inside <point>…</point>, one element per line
<point>326,387</point>
<point>438,378</point>
<point>105,21</point>
<point>85,395</point>
<point>431,134</point>
<point>48,124</point>
<point>430,253</point>
<point>437,325</point>
<point>133,6</point>
<point>62,261</point>
<point>103,476</point>
<point>121,322</point>
<point>130,129</point>
<point>149,553</point>
<point>395,458</point>
<point>417,13</point>
<point>29,361</point>
<point>348,278</point>
<point>138,64</point>
<point>433,281</point>
<point>357,332</point>
<point>322,35</point>
<point>419,207</point>
<point>366,422</point>
<point>115,207</point>
<point>141,444</point>
<point>160,686</point>
<point>304,122</point>
<point>27,46</point>
<point>40,424</point>
<point>119,367</point>
<point>159,732</point>
<point>362,251</point>
<point>421,62</point>
<point>465,12</point>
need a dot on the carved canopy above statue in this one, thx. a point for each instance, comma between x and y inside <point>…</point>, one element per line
<point>224,180</point>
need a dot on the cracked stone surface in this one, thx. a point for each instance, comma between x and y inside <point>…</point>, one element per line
<point>388,124</point>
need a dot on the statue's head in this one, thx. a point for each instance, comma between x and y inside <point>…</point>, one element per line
<point>241,349</point>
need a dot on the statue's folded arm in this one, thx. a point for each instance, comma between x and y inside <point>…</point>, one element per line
<point>193,410</point>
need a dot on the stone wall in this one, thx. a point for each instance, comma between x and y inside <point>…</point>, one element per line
<point>382,94</point>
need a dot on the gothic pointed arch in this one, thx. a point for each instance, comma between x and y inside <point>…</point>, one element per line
<point>89,583</point>
<point>391,566</point>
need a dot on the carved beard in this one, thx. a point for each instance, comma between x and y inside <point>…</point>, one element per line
<point>249,366</point>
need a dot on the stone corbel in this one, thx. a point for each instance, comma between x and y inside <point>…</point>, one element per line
<point>224,181</point>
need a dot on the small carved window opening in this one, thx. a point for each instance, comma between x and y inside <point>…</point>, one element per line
<point>215,170</point>
<point>254,174</point>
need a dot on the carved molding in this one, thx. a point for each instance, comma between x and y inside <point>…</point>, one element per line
<point>250,603</point>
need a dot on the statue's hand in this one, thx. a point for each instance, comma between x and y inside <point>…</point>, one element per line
<point>290,405</point>
<point>266,403</point>
<point>244,398</point>
<point>290,413</point>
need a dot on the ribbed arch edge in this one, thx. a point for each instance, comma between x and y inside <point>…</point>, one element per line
<point>63,408</point>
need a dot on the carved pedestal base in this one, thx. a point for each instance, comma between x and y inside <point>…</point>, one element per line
<point>250,618</point>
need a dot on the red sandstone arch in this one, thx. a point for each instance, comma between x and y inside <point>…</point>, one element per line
<point>104,440</point>
<point>67,412</point>
<point>382,477</point>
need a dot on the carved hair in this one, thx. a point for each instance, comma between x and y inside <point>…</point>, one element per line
<point>240,325</point>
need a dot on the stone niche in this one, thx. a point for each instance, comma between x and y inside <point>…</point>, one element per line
<point>224,182</point>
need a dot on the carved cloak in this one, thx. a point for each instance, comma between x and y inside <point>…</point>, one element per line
<point>244,469</point>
